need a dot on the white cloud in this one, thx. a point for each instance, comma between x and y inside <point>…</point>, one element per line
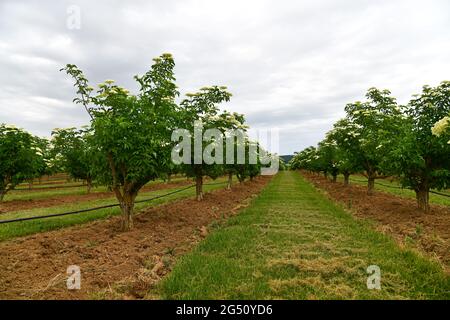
<point>290,64</point>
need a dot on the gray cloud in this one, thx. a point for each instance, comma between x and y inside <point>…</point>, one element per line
<point>290,65</point>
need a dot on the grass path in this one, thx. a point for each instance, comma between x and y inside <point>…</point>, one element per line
<point>293,243</point>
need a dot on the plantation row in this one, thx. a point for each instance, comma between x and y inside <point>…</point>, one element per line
<point>129,141</point>
<point>381,138</point>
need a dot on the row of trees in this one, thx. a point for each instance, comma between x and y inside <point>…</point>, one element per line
<point>130,138</point>
<point>25,157</point>
<point>380,138</point>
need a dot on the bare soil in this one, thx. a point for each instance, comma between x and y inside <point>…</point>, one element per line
<point>17,205</point>
<point>396,216</point>
<point>114,264</point>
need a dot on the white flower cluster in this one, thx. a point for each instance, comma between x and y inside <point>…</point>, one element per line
<point>366,112</point>
<point>353,134</point>
<point>37,150</point>
<point>10,128</point>
<point>107,88</point>
<point>441,126</point>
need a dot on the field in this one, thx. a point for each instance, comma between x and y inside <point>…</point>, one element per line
<point>225,158</point>
<point>115,264</point>
<point>292,236</point>
<point>293,243</point>
<point>37,203</point>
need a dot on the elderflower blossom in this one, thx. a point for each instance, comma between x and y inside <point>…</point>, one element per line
<point>168,99</point>
<point>37,150</point>
<point>121,90</point>
<point>353,134</point>
<point>440,126</point>
<point>109,81</point>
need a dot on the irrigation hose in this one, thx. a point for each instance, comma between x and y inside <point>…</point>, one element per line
<point>395,187</point>
<point>102,207</point>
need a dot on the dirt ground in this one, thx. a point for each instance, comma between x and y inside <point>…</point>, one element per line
<point>17,205</point>
<point>396,216</point>
<point>122,265</point>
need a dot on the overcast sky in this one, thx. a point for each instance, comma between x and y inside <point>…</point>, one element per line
<point>289,64</point>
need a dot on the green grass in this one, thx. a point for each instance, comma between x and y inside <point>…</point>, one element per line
<point>45,182</point>
<point>392,187</point>
<point>51,192</point>
<point>293,243</point>
<point>25,186</point>
<point>16,229</point>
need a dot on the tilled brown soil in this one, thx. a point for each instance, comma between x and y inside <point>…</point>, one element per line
<point>17,205</point>
<point>396,216</point>
<point>114,264</point>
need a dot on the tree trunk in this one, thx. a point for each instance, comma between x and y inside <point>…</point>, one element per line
<point>89,184</point>
<point>169,178</point>
<point>370,185</point>
<point>230,180</point>
<point>2,195</point>
<point>346,179</point>
<point>127,207</point>
<point>423,199</point>
<point>199,187</point>
<point>334,179</point>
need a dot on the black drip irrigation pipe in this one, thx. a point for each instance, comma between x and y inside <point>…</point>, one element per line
<point>102,207</point>
<point>440,193</point>
<point>395,187</point>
